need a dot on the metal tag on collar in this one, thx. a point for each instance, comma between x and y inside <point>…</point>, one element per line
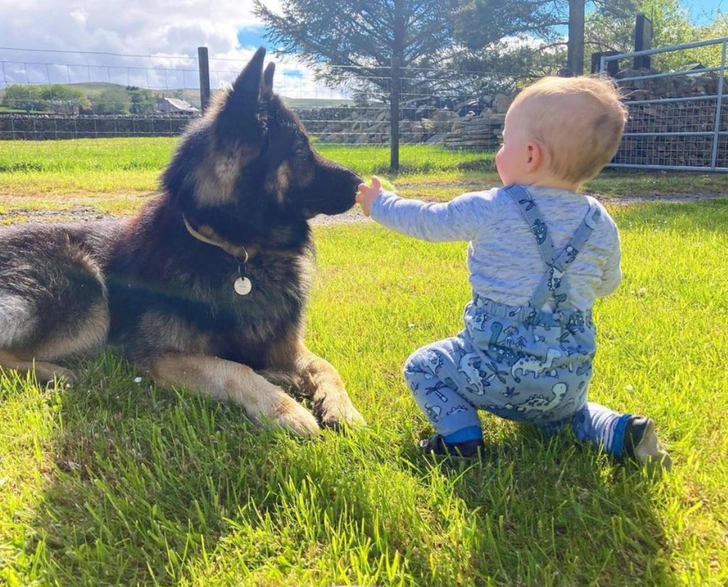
<point>242,285</point>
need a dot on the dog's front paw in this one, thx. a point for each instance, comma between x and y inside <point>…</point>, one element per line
<point>337,414</point>
<point>293,416</point>
<point>47,372</point>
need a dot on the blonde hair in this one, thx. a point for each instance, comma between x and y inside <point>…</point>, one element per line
<point>577,121</point>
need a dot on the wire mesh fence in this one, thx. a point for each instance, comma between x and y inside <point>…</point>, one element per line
<point>65,94</point>
<point>677,116</point>
<point>55,95</point>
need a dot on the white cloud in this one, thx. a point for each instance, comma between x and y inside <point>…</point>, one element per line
<point>125,26</point>
<point>164,30</point>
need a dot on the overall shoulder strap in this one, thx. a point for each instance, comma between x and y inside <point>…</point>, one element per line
<point>533,218</point>
<point>554,282</point>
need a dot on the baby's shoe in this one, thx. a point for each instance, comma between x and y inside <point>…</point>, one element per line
<point>641,443</point>
<point>436,444</point>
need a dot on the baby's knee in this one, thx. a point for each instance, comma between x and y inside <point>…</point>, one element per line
<point>423,359</point>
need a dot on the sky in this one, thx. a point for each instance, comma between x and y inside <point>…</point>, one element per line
<point>163,31</point>
<point>154,34</point>
<point>699,8</point>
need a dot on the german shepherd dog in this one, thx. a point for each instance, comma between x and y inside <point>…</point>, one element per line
<point>205,288</point>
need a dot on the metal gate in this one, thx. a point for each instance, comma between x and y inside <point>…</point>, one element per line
<point>677,118</point>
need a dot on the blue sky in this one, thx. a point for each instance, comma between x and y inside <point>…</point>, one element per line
<point>698,8</point>
<point>253,37</point>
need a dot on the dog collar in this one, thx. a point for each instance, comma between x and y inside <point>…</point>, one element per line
<point>206,234</point>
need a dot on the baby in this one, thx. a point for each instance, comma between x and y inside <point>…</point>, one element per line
<point>539,254</point>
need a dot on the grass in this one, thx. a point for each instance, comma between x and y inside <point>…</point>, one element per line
<point>115,482</point>
<point>119,482</point>
<point>87,172</point>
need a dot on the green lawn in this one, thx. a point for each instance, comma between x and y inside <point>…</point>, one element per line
<point>115,482</point>
<point>94,169</point>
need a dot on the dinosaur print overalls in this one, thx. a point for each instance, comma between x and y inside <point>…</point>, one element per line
<point>518,362</point>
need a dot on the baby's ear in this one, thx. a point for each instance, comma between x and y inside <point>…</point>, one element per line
<point>535,155</point>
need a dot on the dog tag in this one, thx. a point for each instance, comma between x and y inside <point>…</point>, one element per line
<point>242,286</point>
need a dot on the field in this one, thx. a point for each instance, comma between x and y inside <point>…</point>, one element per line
<point>192,96</point>
<point>119,482</point>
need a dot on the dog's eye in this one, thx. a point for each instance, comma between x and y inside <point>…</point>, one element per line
<point>301,149</point>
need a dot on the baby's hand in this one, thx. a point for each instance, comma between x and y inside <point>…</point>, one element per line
<point>367,194</point>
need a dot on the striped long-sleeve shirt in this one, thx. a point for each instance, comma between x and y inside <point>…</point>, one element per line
<point>503,258</point>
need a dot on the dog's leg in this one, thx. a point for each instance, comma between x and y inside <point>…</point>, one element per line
<point>331,402</point>
<point>316,378</point>
<point>26,346</point>
<point>229,381</point>
<point>44,371</point>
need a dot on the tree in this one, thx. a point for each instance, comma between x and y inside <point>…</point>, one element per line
<point>64,99</point>
<point>613,30</point>
<point>23,97</point>
<point>369,42</point>
<point>482,23</point>
<point>531,32</point>
<point>716,28</point>
<point>142,101</point>
<point>346,40</point>
<point>114,100</point>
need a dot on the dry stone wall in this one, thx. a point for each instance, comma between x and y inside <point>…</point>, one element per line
<point>695,112</point>
<point>43,127</point>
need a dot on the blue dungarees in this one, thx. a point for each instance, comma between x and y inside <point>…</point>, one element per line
<point>520,362</point>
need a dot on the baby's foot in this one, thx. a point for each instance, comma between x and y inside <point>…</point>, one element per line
<point>436,444</point>
<point>641,443</point>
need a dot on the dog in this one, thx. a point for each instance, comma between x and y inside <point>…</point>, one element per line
<point>206,287</point>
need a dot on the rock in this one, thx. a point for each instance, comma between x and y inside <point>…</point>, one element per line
<point>501,103</point>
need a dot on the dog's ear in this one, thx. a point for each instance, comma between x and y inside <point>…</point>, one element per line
<point>242,106</point>
<point>265,96</point>
<point>266,88</point>
<point>247,84</point>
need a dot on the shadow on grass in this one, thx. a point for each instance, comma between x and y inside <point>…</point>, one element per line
<point>553,511</point>
<point>151,486</point>
<point>406,168</point>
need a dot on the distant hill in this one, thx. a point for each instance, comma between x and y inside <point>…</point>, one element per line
<point>93,89</point>
<point>94,86</point>
<point>316,102</point>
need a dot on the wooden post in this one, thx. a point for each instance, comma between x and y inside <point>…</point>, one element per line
<point>642,41</point>
<point>394,116</point>
<point>612,66</point>
<point>204,66</point>
<point>396,85</point>
<point>575,45</point>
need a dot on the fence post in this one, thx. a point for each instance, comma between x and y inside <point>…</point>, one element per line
<point>204,66</point>
<point>598,65</point>
<point>575,42</point>
<point>718,110</point>
<point>394,116</point>
<point>642,41</point>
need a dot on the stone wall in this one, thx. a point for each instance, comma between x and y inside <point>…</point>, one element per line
<point>54,126</point>
<point>458,124</point>
<point>696,115</point>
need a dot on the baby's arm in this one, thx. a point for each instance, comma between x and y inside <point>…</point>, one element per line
<point>612,275</point>
<point>457,220</point>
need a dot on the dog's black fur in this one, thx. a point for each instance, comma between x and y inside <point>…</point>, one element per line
<point>246,178</point>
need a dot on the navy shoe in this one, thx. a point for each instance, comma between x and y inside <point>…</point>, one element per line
<point>436,444</point>
<point>641,443</point>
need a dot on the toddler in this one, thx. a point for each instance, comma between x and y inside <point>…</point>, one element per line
<point>539,254</point>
